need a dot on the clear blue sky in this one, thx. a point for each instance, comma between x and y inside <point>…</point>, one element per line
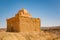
<point>47,10</point>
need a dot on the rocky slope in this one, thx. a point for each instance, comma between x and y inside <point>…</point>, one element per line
<point>2,29</point>
<point>54,30</point>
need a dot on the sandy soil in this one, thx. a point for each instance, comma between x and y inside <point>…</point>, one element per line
<point>28,36</point>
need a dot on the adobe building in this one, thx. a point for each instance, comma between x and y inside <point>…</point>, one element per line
<point>23,22</point>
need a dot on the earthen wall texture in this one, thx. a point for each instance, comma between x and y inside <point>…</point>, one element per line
<point>13,24</point>
<point>23,24</point>
<point>29,24</point>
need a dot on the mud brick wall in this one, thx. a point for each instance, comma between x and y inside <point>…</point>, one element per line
<point>13,24</point>
<point>23,22</point>
<point>29,24</point>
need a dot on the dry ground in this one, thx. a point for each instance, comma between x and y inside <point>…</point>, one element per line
<point>28,36</point>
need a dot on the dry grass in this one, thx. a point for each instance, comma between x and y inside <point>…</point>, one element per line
<point>28,36</point>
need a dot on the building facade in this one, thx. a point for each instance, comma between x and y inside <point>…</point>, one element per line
<point>23,22</point>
